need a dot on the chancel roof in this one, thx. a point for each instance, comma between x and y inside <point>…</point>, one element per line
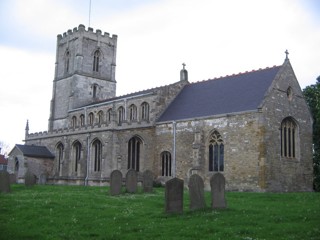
<point>35,151</point>
<point>225,95</point>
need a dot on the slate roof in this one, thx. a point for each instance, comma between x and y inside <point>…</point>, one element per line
<point>230,94</point>
<point>35,151</point>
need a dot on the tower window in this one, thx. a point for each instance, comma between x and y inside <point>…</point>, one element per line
<point>67,61</point>
<point>96,60</point>
<point>216,152</point>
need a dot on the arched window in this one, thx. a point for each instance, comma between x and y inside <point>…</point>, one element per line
<point>133,112</point>
<point>96,60</point>
<point>100,117</point>
<point>74,122</point>
<point>76,154</point>
<point>109,115</point>
<point>134,147</point>
<point>67,61</point>
<point>166,163</point>
<point>97,155</point>
<point>82,120</point>
<point>59,156</point>
<point>121,114</point>
<point>288,133</point>
<point>145,111</point>
<point>91,118</point>
<point>216,152</point>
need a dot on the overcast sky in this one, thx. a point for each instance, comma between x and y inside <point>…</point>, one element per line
<point>214,38</point>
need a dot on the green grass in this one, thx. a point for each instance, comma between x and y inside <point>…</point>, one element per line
<point>77,212</point>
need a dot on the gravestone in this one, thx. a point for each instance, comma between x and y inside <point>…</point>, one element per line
<point>217,183</point>
<point>4,182</point>
<point>147,181</point>
<point>30,179</point>
<point>13,178</point>
<point>43,179</point>
<point>196,192</point>
<point>115,182</point>
<point>131,181</point>
<point>174,196</point>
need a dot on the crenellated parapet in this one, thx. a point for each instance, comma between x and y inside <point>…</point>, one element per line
<point>81,29</point>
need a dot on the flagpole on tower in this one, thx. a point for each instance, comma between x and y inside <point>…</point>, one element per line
<point>89,12</point>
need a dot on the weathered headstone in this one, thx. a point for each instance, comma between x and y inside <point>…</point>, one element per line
<point>147,181</point>
<point>217,183</point>
<point>4,182</point>
<point>115,182</point>
<point>30,179</point>
<point>196,192</point>
<point>174,196</point>
<point>43,179</point>
<point>13,178</point>
<point>131,181</point>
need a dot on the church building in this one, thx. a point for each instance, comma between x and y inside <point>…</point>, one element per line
<point>254,127</point>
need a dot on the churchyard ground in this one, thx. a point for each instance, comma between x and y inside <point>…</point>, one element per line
<point>78,212</point>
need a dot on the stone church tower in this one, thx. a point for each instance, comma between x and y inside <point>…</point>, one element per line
<point>84,72</point>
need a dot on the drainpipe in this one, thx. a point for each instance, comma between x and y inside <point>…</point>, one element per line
<point>174,149</point>
<point>88,160</point>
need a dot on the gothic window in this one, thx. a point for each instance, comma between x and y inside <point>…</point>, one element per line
<point>166,163</point>
<point>100,117</point>
<point>216,152</point>
<point>67,61</point>
<point>288,133</point>
<point>109,115</point>
<point>134,147</point>
<point>121,114</point>
<point>97,155</point>
<point>82,120</point>
<point>96,60</point>
<point>74,121</point>
<point>91,118</point>
<point>59,155</point>
<point>133,112</point>
<point>76,154</point>
<point>145,111</point>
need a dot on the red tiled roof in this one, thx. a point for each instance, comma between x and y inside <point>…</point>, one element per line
<point>3,160</point>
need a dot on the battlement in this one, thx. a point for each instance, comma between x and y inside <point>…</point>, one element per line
<point>82,29</point>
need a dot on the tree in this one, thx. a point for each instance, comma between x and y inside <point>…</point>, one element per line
<point>4,147</point>
<point>312,96</point>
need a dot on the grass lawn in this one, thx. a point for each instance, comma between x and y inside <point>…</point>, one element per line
<point>78,212</point>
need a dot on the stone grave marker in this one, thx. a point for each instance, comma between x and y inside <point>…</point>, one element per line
<point>13,178</point>
<point>147,181</point>
<point>131,181</point>
<point>217,183</point>
<point>196,192</point>
<point>4,182</point>
<point>115,182</point>
<point>30,179</point>
<point>174,196</point>
<point>43,179</point>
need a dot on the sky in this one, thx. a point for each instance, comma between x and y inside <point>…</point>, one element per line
<point>213,37</point>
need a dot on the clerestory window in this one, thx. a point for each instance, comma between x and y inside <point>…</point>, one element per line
<point>145,111</point>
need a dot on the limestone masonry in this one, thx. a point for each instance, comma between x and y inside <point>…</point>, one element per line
<point>254,128</point>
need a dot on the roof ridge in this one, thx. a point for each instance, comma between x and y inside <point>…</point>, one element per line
<point>237,74</point>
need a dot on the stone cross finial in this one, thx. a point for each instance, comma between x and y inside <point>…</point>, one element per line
<point>287,53</point>
<point>183,64</point>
